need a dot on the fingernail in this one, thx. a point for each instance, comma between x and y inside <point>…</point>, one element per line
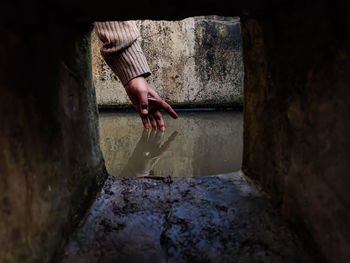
<point>144,111</point>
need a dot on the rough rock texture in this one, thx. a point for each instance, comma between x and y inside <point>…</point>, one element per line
<point>195,61</point>
<point>297,134</point>
<point>50,160</point>
<point>204,219</point>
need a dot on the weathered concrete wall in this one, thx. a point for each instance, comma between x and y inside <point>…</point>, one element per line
<point>195,61</point>
<point>297,132</point>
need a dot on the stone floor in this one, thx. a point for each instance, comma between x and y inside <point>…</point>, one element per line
<point>219,218</point>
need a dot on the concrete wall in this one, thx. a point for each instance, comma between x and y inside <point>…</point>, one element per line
<point>195,61</point>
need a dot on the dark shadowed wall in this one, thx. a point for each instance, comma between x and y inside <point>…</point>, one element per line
<point>296,133</point>
<point>50,161</point>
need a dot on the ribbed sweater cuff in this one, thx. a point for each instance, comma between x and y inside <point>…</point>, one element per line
<point>129,63</point>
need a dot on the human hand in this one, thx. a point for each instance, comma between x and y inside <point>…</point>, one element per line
<point>148,103</point>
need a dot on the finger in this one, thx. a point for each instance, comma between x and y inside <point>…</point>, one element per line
<point>145,122</point>
<point>164,105</point>
<point>152,120</point>
<point>169,109</point>
<point>143,103</point>
<point>160,121</point>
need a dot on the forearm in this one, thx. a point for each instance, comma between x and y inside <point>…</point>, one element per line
<point>121,49</point>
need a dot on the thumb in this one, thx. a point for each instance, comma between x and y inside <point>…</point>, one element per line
<point>143,103</point>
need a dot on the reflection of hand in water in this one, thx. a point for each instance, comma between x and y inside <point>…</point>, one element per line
<point>147,153</point>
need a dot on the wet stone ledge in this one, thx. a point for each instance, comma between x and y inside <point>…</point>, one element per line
<point>220,218</point>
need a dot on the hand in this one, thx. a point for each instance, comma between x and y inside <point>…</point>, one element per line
<point>148,103</point>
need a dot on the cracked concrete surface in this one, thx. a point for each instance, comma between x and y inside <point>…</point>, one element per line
<point>221,218</point>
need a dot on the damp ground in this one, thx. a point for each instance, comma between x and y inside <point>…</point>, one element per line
<point>221,218</point>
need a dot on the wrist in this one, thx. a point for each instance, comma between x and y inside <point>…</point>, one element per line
<point>137,83</point>
<point>135,80</point>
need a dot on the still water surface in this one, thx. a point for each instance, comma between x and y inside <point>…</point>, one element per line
<point>196,144</point>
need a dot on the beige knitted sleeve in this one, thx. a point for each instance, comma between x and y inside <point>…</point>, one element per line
<point>121,49</point>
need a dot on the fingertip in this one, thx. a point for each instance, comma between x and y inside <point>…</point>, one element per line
<point>170,110</point>
<point>173,114</point>
<point>161,125</point>
<point>145,123</point>
<point>160,133</point>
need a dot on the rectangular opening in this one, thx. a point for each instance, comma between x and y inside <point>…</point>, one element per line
<point>197,67</point>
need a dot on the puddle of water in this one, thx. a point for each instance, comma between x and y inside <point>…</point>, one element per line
<point>196,144</point>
